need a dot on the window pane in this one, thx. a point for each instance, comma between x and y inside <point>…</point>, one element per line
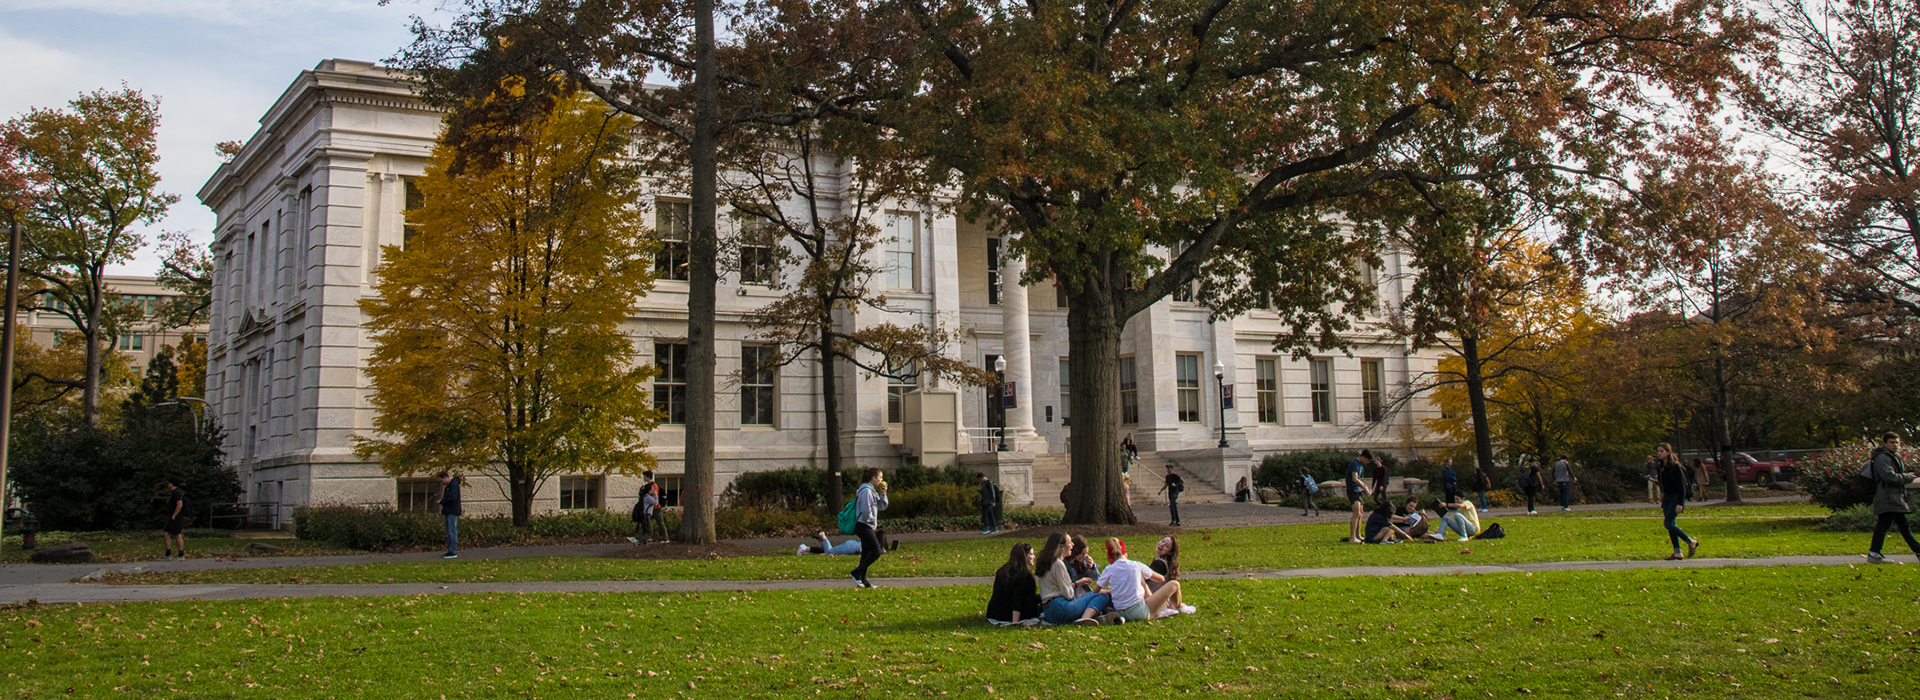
<point>1322,391</point>
<point>897,390</point>
<point>1266,389</point>
<point>672,222</point>
<point>1129,392</point>
<point>900,232</point>
<point>756,385</point>
<point>1187,378</point>
<point>670,385</point>
<point>1370,384</point>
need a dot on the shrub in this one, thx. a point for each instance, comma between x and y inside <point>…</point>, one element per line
<point>792,488</point>
<point>748,521</point>
<point>913,476</point>
<point>1829,477</point>
<point>1015,518</point>
<point>933,500</point>
<point>1281,470</point>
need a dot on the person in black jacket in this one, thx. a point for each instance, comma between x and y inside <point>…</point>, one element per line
<point>989,505</point>
<point>1173,486</point>
<point>1015,598</point>
<point>1673,499</point>
<point>1890,480</point>
<point>450,509</point>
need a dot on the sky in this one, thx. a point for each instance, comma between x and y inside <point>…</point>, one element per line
<point>217,66</point>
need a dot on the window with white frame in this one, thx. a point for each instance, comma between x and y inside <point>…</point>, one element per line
<point>898,387</point>
<point>670,385</point>
<point>757,262</point>
<point>1183,292</point>
<point>672,226</point>
<point>1320,389</point>
<point>579,492</point>
<point>901,234</point>
<point>757,375</point>
<point>1266,389</point>
<point>993,271</point>
<point>1370,383</point>
<point>1066,391</point>
<point>417,495</point>
<point>412,199</point>
<point>1129,392</point>
<point>1186,372</point>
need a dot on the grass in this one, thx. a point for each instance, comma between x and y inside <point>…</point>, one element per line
<point>1720,633</point>
<point>127,550</point>
<point>1578,536</point>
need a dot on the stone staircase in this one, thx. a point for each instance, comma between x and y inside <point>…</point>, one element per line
<point>1052,471</point>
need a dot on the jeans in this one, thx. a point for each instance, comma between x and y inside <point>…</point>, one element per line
<point>870,549</point>
<point>1060,611</point>
<point>1483,500</point>
<point>1457,522</point>
<point>1530,493</point>
<point>1888,520</point>
<point>1173,505</point>
<point>988,520</point>
<point>453,534</point>
<point>1670,507</point>
<point>847,547</point>
<point>1566,494</point>
<point>656,521</point>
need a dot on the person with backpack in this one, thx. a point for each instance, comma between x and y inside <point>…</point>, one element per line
<point>1173,486</point>
<point>646,513</point>
<point>868,501</point>
<point>1890,479</point>
<point>176,523</point>
<point>989,505</point>
<point>1531,484</point>
<point>1673,500</point>
<point>1482,484</point>
<point>1310,489</point>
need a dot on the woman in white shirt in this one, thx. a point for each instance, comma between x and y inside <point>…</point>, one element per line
<point>1126,581</point>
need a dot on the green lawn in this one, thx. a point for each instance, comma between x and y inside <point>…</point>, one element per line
<point>1591,536</point>
<point>1721,633</point>
<point>126,550</point>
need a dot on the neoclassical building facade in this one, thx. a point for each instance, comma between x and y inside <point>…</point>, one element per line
<point>306,205</point>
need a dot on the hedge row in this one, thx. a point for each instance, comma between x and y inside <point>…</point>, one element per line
<point>52,537</point>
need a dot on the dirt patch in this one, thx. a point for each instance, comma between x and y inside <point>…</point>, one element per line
<point>660,551</point>
<point>1095,533</point>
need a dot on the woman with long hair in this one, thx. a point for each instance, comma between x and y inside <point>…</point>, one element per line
<point>1059,606</point>
<point>1673,499</point>
<point>1128,580</point>
<point>1082,567</point>
<point>1014,598</point>
<point>1166,563</point>
<point>868,500</point>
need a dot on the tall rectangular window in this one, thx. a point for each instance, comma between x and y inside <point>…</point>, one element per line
<point>756,384</point>
<point>1066,391</point>
<point>579,492</point>
<point>1320,389</point>
<point>411,199</point>
<point>417,495</point>
<point>1129,392</point>
<point>1182,293</point>
<point>672,225</point>
<point>757,262</point>
<point>901,232</point>
<point>670,490</point>
<point>993,271</point>
<point>133,341</point>
<point>1186,372</point>
<point>897,390</point>
<point>1370,382</point>
<point>1266,390</point>
<point>670,385</point>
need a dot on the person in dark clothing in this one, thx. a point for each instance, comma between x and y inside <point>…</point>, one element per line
<point>656,519</point>
<point>1673,499</point>
<point>1130,450</point>
<point>176,522</point>
<point>989,505</point>
<point>1482,484</point>
<point>1357,494</point>
<point>1531,485</point>
<point>1309,489</point>
<point>1563,479</point>
<point>450,509</point>
<point>1449,481</point>
<point>1890,480</point>
<point>1015,598</point>
<point>1380,480</point>
<point>1380,527</point>
<point>1173,486</point>
<point>1080,565</point>
<point>869,500</point>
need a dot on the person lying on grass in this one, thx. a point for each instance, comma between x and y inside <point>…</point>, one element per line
<point>1014,600</point>
<point>826,546</point>
<point>1166,563</point>
<point>1380,527</point>
<point>1127,581</point>
<point>1057,584</point>
<point>1459,515</point>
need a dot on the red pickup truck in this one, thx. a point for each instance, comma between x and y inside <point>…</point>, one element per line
<point>1746,469</point>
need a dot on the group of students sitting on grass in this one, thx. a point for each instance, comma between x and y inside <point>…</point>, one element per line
<point>1388,524</point>
<point>1061,584</point>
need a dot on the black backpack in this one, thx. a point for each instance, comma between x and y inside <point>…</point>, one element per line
<point>1863,480</point>
<point>1493,532</point>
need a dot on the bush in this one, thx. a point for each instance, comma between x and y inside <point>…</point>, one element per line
<point>938,500</point>
<point>1015,519</point>
<point>1829,477</point>
<point>1281,470</point>
<point>913,476</point>
<point>792,488</point>
<point>747,521</point>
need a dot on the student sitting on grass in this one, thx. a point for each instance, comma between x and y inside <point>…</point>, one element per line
<point>826,546</point>
<point>1411,520</point>
<point>1014,600</point>
<point>1166,563</point>
<point>1056,586</point>
<point>1081,567</point>
<point>1380,527</point>
<point>1127,580</point>
<point>1459,515</point>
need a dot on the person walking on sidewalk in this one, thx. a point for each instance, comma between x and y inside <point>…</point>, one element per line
<point>1673,500</point>
<point>1357,493</point>
<point>1699,480</point>
<point>1309,489</point>
<point>1531,484</point>
<point>1173,486</point>
<point>989,505</point>
<point>176,523</point>
<point>450,509</point>
<point>1563,478</point>
<point>1890,480</point>
<point>869,500</point>
<point>1653,480</point>
<point>1482,484</point>
<point>1449,481</point>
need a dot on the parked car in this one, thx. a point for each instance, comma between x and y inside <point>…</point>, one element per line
<point>1748,469</point>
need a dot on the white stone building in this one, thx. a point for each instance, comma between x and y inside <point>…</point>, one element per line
<point>306,204</point>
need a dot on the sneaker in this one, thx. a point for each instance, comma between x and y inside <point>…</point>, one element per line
<point>1087,622</point>
<point>1464,538</point>
<point>180,557</point>
<point>868,584</point>
<point>449,555</point>
<point>802,549</point>
<point>1565,509</point>
<point>1877,558</point>
<point>1533,512</point>
<point>857,583</point>
<point>1113,618</point>
<point>1188,610</point>
<point>633,541</point>
<point>1692,546</point>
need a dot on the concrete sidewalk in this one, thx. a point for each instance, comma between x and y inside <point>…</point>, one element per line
<point>104,593</point>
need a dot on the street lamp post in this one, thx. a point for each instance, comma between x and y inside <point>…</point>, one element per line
<point>1220,384</point>
<point>1000,372</point>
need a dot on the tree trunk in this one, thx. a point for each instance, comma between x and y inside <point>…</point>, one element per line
<point>521,489</point>
<point>830,403</point>
<point>1477,401</point>
<point>1097,494</point>
<point>90,394</point>
<point>696,500</point>
<point>1722,438</point>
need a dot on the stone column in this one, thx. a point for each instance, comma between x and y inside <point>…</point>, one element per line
<point>1017,341</point>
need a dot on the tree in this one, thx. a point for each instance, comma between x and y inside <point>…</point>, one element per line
<point>97,159</point>
<point>835,236</point>
<point>187,268</point>
<point>1847,104</point>
<point>1137,148</point>
<point>496,329</point>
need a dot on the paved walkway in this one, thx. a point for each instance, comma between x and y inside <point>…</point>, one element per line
<point>103,593</point>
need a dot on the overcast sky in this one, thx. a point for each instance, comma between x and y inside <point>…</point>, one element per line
<point>217,66</point>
